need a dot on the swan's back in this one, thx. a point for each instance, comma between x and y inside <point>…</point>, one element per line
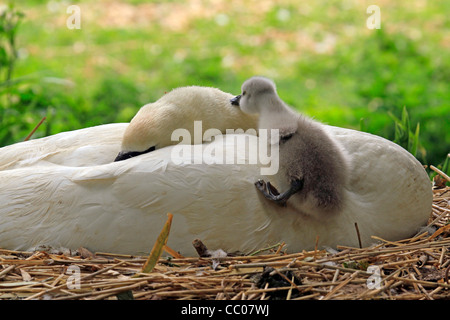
<point>384,179</point>
<point>84,147</point>
<point>121,206</point>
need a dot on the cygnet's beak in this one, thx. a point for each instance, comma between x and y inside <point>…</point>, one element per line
<point>124,155</point>
<point>235,100</point>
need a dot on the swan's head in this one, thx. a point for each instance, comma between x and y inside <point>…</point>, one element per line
<point>136,139</point>
<point>255,93</point>
<point>150,129</point>
<point>153,126</point>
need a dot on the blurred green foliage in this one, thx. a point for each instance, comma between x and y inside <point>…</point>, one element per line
<point>404,137</point>
<point>325,61</point>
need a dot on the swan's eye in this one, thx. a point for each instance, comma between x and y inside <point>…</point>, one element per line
<point>243,93</point>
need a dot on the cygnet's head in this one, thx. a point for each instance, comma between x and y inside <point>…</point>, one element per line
<point>254,93</point>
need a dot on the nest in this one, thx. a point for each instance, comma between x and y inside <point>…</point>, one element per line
<point>411,269</point>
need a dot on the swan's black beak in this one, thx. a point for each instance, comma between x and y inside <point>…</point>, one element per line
<point>235,100</point>
<point>124,155</point>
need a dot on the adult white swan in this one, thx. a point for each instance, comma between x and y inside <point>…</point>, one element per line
<point>64,190</point>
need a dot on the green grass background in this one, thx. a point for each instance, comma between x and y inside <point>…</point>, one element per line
<point>325,61</point>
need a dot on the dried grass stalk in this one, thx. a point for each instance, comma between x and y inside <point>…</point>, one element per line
<point>409,269</point>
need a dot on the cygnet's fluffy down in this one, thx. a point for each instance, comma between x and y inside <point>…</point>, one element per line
<point>153,125</point>
<point>313,166</point>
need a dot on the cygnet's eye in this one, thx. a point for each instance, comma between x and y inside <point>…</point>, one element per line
<point>243,93</point>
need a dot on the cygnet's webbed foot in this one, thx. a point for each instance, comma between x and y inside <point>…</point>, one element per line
<point>271,193</point>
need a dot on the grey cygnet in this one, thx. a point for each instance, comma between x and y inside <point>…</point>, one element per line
<point>313,164</point>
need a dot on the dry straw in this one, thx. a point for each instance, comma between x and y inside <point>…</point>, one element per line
<point>411,269</point>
